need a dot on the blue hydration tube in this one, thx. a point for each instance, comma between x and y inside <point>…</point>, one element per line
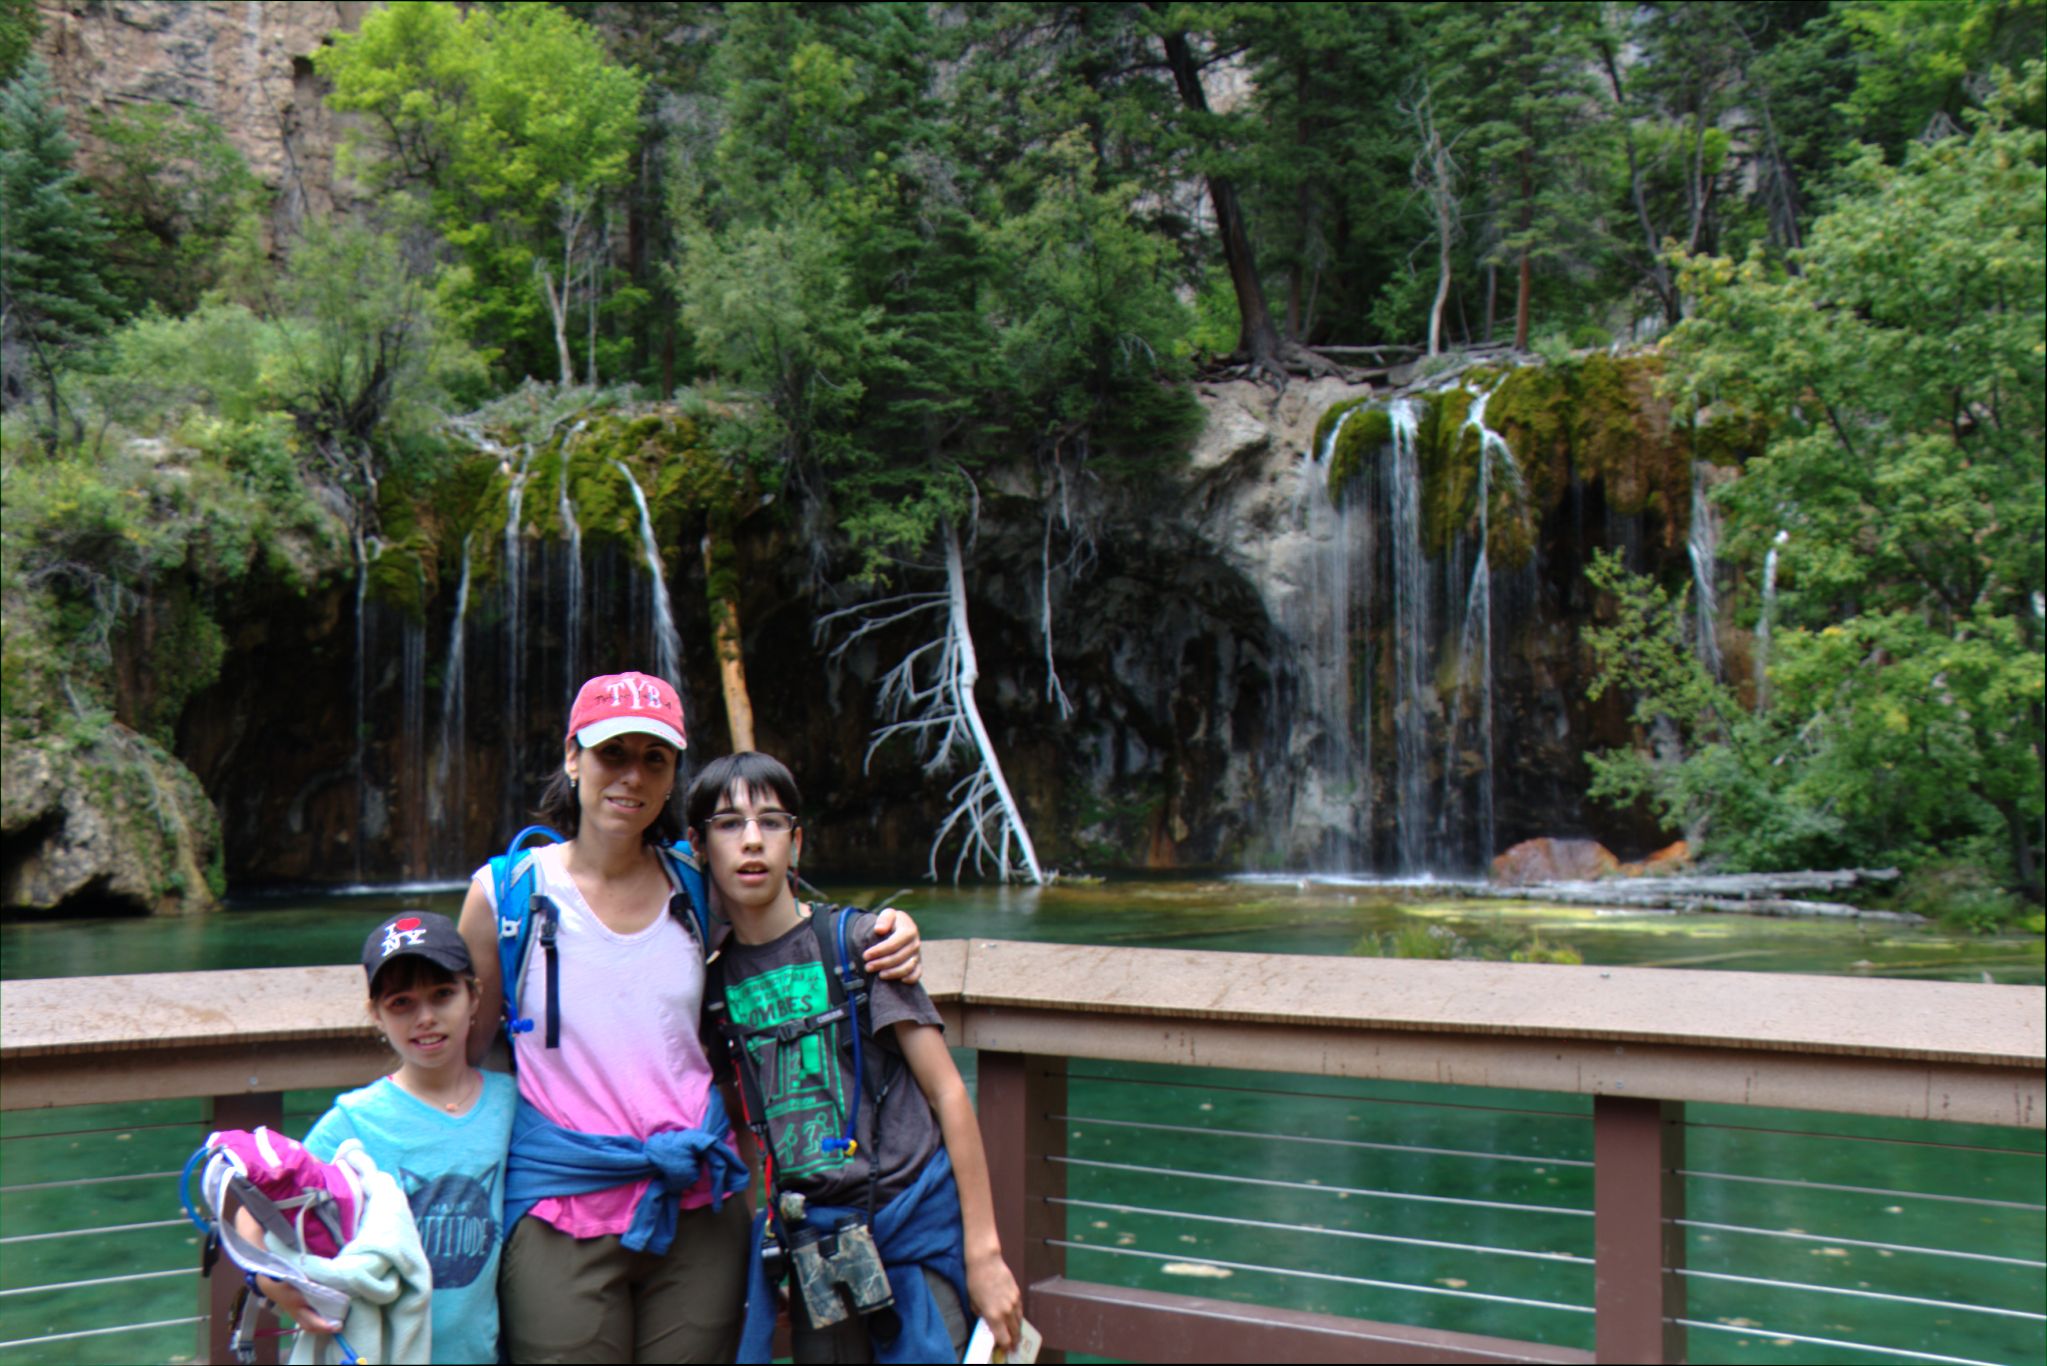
<point>849,1144</point>
<point>199,1154</point>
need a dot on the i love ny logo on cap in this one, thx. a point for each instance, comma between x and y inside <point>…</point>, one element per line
<point>626,704</point>
<point>430,936</point>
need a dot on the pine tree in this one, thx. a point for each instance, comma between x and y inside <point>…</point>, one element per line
<point>52,240</point>
<point>1515,80</point>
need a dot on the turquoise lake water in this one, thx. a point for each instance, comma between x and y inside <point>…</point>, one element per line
<point>1284,1190</point>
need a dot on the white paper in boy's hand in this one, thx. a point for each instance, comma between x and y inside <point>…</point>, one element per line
<point>981,1346</point>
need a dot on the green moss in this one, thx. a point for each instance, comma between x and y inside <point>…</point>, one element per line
<point>1330,417</point>
<point>1447,452</point>
<point>1629,441</point>
<point>1362,437</point>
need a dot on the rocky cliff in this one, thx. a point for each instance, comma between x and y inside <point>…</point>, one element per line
<point>245,63</point>
<point>1249,681</point>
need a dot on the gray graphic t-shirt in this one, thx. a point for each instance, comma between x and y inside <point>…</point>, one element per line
<point>452,1169</point>
<point>809,1082</point>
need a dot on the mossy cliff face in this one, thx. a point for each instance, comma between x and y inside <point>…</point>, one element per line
<point>1596,461</point>
<point>1174,632</point>
<point>128,580</point>
<point>283,763</point>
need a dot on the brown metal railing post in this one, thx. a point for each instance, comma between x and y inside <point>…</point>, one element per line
<point>218,1291</point>
<point>1638,1248</point>
<point>1021,1097</point>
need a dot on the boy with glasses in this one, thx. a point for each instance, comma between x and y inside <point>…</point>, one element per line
<point>879,1204</point>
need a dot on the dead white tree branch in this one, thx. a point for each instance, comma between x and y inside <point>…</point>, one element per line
<point>928,697</point>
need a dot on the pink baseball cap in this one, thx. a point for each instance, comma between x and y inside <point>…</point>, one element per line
<point>626,704</point>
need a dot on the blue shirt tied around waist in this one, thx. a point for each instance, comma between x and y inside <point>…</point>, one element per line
<point>547,1160</point>
<point>919,1228</point>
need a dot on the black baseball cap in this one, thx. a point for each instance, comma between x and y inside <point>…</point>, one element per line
<point>422,933</point>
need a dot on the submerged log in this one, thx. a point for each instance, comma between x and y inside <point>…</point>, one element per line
<point>1754,893</point>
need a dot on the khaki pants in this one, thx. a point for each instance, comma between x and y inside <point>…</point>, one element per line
<point>564,1299</point>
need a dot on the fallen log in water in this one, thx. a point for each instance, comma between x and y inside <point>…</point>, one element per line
<point>1753,893</point>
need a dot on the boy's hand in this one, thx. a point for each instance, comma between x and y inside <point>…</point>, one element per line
<point>899,956</point>
<point>996,1298</point>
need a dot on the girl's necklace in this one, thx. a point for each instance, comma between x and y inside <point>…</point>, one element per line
<point>468,1093</point>
<point>460,1102</point>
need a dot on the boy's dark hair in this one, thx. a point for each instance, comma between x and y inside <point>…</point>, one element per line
<point>751,769</point>
<point>413,973</point>
<point>560,809</point>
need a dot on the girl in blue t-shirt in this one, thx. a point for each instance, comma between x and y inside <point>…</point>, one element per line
<point>438,1125</point>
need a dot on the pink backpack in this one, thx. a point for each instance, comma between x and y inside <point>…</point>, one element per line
<point>311,1205</point>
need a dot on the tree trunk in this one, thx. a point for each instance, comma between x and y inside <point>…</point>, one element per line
<point>558,314</point>
<point>1659,273</point>
<point>1527,275</point>
<point>1257,338</point>
<point>2025,861</point>
<point>964,678</point>
<point>1446,224</point>
<point>721,584</point>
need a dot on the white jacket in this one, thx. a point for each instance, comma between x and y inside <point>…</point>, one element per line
<point>383,1271</point>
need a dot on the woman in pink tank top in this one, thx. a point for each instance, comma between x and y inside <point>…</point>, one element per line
<point>620,1270</point>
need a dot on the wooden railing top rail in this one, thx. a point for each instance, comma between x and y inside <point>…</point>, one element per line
<point>1934,1050</point>
<point>1955,1022</point>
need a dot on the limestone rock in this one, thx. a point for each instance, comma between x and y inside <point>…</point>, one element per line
<point>1554,860</point>
<point>115,825</point>
<point>1672,858</point>
<point>248,66</point>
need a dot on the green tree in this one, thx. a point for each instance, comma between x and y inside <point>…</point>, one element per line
<point>52,242</point>
<point>19,25</point>
<point>1514,79</point>
<point>1900,370</point>
<point>184,208</point>
<point>517,129</point>
<point>1920,65</point>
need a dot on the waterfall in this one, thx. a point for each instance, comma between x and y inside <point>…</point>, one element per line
<point>667,644</point>
<point>411,767</point>
<point>1410,638</point>
<point>366,549</point>
<point>1763,621</point>
<point>572,626</point>
<point>1475,638</point>
<point>1326,734</point>
<point>446,793</point>
<point>1703,545</point>
<point>514,637</point>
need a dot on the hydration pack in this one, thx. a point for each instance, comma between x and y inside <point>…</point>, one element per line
<point>513,874</point>
<point>846,983</point>
<point>311,1208</point>
<point>838,1269</point>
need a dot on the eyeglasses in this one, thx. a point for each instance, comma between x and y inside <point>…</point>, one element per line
<point>772,823</point>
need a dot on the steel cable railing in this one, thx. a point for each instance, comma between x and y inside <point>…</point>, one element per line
<point>79,1333</point>
<point>1773,1337</point>
<point>1324,1232</point>
<point>1944,1266</point>
<point>1370,1200</point>
<point>1408,1162</point>
<point>1320,1188</point>
<point>78,1288</point>
<point>1835,1240</point>
<point>1331,1277</point>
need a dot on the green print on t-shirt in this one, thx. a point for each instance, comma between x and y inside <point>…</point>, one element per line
<point>804,1089</point>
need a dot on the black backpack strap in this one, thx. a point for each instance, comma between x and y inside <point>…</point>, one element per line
<point>752,1099</point>
<point>550,927</point>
